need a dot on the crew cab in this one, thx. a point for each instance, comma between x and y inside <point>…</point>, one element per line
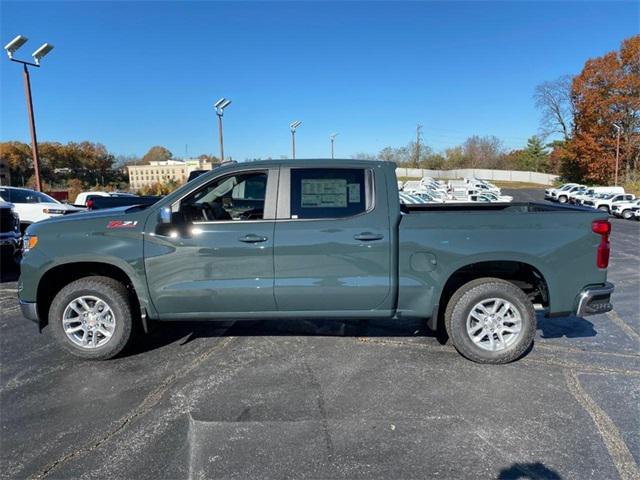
<point>626,210</point>
<point>606,202</point>
<point>314,239</point>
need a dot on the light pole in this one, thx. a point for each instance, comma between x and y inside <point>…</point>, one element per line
<point>220,105</point>
<point>294,126</point>
<point>11,48</point>
<point>333,141</point>
<point>618,128</point>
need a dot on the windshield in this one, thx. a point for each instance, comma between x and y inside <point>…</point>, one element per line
<point>19,195</point>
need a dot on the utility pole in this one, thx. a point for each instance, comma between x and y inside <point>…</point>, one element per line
<point>418,140</point>
<point>293,126</point>
<point>220,105</point>
<point>38,55</point>
<point>618,128</point>
<point>333,141</point>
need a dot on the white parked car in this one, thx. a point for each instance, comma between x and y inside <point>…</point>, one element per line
<point>605,202</point>
<point>562,196</point>
<point>551,193</point>
<point>32,206</point>
<point>409,199</point>
<point>578,197</point>
<point>492,197</point>
<point>626,210</point>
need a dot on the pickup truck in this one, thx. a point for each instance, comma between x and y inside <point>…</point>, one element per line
<point>100,202</point>
<point>314,239</point>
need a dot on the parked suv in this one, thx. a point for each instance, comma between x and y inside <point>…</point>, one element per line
<point>33,206</point>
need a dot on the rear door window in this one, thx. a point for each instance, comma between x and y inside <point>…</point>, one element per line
<point>329,192</point>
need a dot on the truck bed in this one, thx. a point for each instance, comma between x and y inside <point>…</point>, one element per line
<point>522,207</point>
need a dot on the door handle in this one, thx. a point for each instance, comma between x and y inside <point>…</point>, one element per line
<point>368,236</point>
<point>252,238</point>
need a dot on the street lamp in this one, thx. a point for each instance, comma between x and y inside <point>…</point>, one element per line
<point>333,141</point>
<point>618,128</point>
<point>294,126</point>
<point>220,105</point>
<point>11,48</point>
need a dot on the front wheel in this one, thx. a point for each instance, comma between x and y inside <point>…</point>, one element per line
<point>562,199</point>
<point>490,320</point>
<point>627,214</point>
<point>603,208</point>
<point>91,318</point>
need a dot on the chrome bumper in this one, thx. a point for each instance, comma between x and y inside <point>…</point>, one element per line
<point>595,300</point>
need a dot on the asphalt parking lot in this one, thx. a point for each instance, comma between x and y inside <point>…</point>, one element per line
<point>329,399</point>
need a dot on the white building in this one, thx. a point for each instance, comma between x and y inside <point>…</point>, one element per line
<point>164,171</point>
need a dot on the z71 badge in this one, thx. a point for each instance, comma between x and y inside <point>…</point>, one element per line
<point>122,224</point>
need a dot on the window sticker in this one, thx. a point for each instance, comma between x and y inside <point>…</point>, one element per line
<point>323,193</point>
<point>354,192</point>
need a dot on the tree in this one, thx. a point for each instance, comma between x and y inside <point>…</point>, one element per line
<point>534,158</point>
<point>157,154</point>
<point>483,152</point>
<point>206,157</point>
<point>556,104</point>
<point>18,158</point>
<point>607,92</point>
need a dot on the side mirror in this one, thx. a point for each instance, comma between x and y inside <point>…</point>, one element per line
<point>164,217</point>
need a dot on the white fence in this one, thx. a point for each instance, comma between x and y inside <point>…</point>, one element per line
<point>482,173</point>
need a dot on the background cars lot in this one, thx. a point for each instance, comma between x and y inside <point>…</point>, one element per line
<point>330,399</point>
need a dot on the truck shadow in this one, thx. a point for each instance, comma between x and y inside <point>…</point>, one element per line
<point>523,471</point>
<point>569,327</point>
<point>165,333</point>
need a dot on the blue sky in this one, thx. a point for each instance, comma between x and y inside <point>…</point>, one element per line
<point>136,74</point>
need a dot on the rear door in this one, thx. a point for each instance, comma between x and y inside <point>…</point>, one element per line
<point>332,241</point>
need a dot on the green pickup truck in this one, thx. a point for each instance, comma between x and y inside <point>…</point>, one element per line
<point>314,239</point>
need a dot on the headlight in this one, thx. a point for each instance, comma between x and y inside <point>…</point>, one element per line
<point>28,242</point>
<point>53,211</point>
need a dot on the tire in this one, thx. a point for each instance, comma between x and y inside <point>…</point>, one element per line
<point>627,214</point>
<point>116,298</point>
<point>603,208</point>
<point>562,199</point>
<point>459,310</point>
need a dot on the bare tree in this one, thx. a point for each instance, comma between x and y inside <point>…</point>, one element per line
<point>554,100</point>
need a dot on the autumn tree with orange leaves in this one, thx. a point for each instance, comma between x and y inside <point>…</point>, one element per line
<point>604,94</point>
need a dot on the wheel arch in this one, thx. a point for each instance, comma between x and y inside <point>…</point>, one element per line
<point>58,276</point>
<point>522,274</point>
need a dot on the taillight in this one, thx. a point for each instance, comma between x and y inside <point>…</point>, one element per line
<point>89,204</point>
<point>602,228</point>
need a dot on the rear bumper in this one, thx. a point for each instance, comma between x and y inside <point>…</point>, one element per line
<point>30,311</point>
<point>595,300</point>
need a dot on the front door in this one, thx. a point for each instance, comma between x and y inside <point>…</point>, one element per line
<point>216,255</point>
<point>332,242</point>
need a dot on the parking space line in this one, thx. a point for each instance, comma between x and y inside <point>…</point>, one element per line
<point>631,333</point>
<point>616,446</point>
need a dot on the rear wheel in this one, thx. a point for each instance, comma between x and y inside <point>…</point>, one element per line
<point>91,318</point>
<point>490,320</point>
